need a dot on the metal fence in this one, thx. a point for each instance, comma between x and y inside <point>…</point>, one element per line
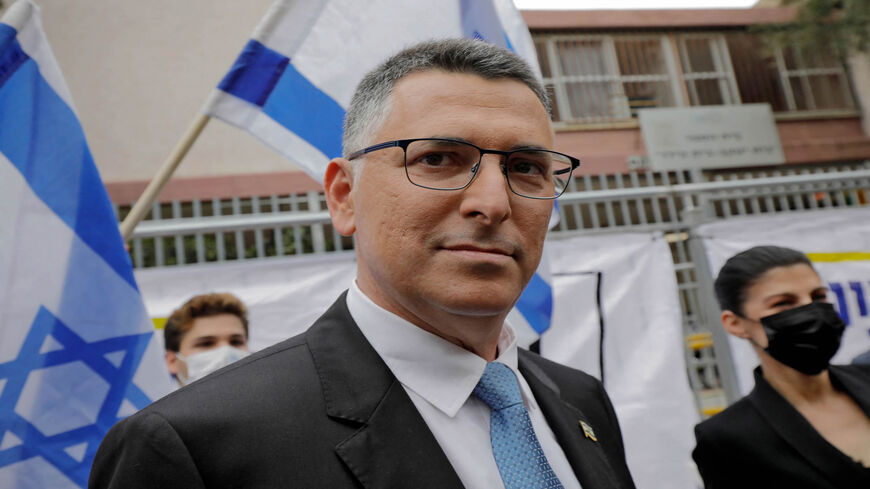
<point>673,203</point>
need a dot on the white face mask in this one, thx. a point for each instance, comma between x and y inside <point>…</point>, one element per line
<point>201,364</point>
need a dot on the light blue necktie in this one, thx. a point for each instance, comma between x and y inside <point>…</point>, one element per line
<point>520,459</point>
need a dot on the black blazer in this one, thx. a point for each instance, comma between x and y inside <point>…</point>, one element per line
<point>323,410</point>
<point>763,441</point>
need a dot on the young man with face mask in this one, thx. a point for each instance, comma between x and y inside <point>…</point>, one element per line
<point>208,332</point>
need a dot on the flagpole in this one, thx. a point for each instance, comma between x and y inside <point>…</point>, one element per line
<point>149,195</point>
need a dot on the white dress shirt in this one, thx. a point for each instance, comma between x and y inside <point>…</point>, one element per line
<point>439,378</point>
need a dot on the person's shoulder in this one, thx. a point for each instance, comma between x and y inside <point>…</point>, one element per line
<point>854,378</point>
<point>739,428</point>
<point>254,375</point>
<point>856,371</point>
<point>729,421</point>
<point>561,374</point>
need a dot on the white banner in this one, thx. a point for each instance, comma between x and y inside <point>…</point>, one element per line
<point>838,243</point>
<point>616,306</point>
<point>644,363</point>
<point>284,295</point>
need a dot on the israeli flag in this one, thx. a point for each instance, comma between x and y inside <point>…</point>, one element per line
<point>293,80</point>
<point>77,349</point>
<point>534,310</point>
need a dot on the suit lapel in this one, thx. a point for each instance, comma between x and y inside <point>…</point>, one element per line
<point>393,447</point>
<point>586,457</point>
<point>792,427</point>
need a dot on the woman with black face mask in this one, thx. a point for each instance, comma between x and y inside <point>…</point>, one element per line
<point>806,424</point>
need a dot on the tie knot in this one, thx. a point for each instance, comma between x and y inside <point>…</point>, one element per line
<point>498,387</point>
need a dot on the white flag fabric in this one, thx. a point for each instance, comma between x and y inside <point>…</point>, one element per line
<point>617,317</point>
<point>77,349</point>
<point>837,241</point>
<point>284,296</point>
<point>294,79</point>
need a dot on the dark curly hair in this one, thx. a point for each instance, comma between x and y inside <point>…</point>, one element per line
<point>181,320</point>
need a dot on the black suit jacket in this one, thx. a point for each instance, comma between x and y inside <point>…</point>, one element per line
<point>323,410</point>
<point>763,441</point>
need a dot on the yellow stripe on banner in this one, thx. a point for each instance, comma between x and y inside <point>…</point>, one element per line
<point>841,256</point>
<point>159,322</point>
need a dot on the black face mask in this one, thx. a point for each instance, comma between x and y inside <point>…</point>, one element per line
<point>804,338</point>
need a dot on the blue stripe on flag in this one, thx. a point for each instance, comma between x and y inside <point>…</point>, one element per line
<point>10,59</point>
<point>536,304</point>
<point>39,130</point>
<point>266,78</point>
<point>507,42</point>
<point>304,109</point>
<point>255,73</point>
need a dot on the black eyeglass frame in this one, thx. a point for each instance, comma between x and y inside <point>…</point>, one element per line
<point>404,143</point>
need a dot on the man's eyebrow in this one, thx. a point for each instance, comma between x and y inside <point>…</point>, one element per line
<point>512,148</point>
<point>779,295</point>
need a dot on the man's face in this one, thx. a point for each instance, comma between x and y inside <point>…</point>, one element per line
<point>208,333</point>
<point>435,256</point>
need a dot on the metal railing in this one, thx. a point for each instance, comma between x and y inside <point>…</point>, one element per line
<point>673,203</point>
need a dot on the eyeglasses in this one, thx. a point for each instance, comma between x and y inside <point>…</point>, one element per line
<point>449,164</point>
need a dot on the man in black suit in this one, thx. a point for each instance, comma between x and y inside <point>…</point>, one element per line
<point>411,378</point>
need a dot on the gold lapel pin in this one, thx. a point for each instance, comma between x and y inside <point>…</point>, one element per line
<point>587,431</point>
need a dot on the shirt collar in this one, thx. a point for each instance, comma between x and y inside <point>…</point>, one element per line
<point>440,372</point>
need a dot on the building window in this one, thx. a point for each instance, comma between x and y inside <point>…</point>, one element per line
<point>813,80</point>
<point>707,70</point>
<point>755,71</point>
<point>788,79</point>
<point>604,78</point>
<point>608,78</point>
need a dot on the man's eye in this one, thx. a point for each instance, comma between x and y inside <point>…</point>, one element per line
<point>436,159</point>
<point>527,168</point>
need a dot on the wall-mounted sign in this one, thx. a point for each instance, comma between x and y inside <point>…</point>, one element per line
<point>710,137</point>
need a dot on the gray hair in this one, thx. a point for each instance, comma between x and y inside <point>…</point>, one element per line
<point>370,104</point>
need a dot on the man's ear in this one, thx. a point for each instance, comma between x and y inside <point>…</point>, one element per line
<point>172,362</point>
<point>733,324</point>
<point>338,187</point>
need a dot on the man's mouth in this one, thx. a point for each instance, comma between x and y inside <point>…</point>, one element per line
<point>480,249</point>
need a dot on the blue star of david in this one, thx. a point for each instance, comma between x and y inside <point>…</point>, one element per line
<point>119,378</point>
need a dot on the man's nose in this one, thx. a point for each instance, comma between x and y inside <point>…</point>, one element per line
<point>488,197</point>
